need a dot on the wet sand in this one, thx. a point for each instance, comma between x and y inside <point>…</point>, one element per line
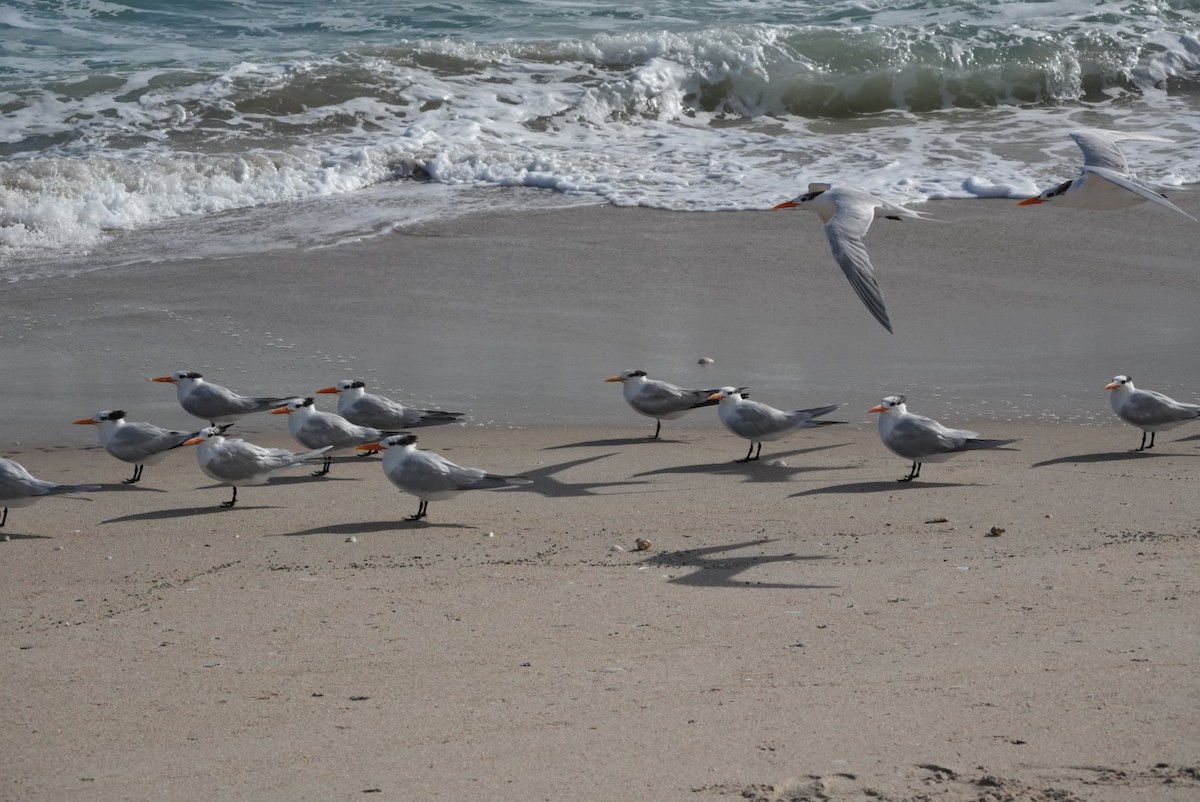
<point>1017,623</point>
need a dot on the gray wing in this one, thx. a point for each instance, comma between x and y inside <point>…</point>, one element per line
<point>212,401</point>
<point>137,441</point>
<point>661,398</point>
<point>1134,185</point>
<point>845,231</point>
<point>333,430</point>
<point>1150,408</point>
<point>754,421</point>
<point>1100,148</point>
<point>383,413</point>
<point>916,437</point>
<point>16,482</point>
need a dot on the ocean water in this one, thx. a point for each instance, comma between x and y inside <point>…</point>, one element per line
<point>319,121</point>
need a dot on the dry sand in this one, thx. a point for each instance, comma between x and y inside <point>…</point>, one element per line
<point>804,629</point>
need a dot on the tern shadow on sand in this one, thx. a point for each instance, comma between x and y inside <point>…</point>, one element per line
<point>188,512</point>
<point>370,527</point>
<point>760,470</point>
<point>1108,456</point>
<point>20,536</point>
<point>889,486</point>
<point>615,442</point>
<point>547,485</point>
<point>137,488</point>
<point>711,569</point>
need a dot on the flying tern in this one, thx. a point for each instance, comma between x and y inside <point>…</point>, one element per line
<point>20,488</point>
<point>136,442</point>
<point>430,476</point>
<point>848,213</point>
<point>237,463</point>
<point>314,428</point>
<point>1105,181</point>
<point>921,439</point>
<point>1148,410</point>
<point>658,399</point>
<point>757,422</point>
<point>212,402</point>
<point>356,405</point>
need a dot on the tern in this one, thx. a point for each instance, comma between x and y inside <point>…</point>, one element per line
<point>136,442</point>
<point>757,422</point>
<point>658,399</point>
<point>848,213</point>
<point>1148,410</point>
<point>313,428</point>
<point>237,463</point>
<point>1105,181</point>
<point>922,439</point>
<point>212,402</point>
<point>20,488</point>
<point>356,405</point>
<point>430,476</point>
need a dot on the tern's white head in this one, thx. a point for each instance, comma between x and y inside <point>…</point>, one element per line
<point>805,201</point>
<point>353,386</point>
<point>104,418</point>
<point>207,434</point>
<point>1120,382</point>
<point>184,377</point>
<point>392,441</point>
<point>294,405</point>
<point>1048,195</point>
<point>627,375</point>
<point>728,394</point>
<point>892,405</point>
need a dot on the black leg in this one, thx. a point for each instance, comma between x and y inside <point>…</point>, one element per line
<point>758,453</point>
<point>913,473</point>
<point>657,429</point>
<point>1151,439</point>
<point>137,475</point>
<point>324,468</point>
<point>4,517</point>
<point>748,453</point>
<point>231,501</point>
<point>421,507</point>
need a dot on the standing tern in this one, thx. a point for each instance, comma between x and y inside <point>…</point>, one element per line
<point>356,405</point>
<point>658,399</point>
<point>1105,181</point>
<point>757,422</point>
<point>233,461</point>
<point>313,428</point>
<point>430,476</point>
<point>212,402</point>
<point>848,213</point>
<point>136,442</point>
<point>922,439</point>
<point>20,488</point>
<point>1148,410</point>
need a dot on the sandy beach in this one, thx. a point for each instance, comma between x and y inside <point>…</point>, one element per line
<point>1015,625</point>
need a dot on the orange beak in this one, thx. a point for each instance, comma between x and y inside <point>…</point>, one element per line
<point>281,411</point>
<point>878,408</point>
<point>83,421</point>
<point>1031,202</point>
<point>784,205</point>
<point>193,441</point>
<point>717,396</point>
<point>328,390</point>
<point>614,379</point>
<point>369,447</point>
<point>1109,386</point>
<point>169,379</point>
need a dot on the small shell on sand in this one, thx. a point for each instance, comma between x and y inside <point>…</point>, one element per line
<point>641,544</point>
<point>616,549</point>
<point>704,360</point>
<point>352,539</point>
